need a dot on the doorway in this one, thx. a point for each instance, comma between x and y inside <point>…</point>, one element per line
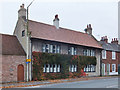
<point>20,73</point>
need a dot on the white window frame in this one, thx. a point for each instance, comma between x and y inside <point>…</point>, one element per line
<point>55,68</point>
<point>114,65</point>
<point>92,53</point>
<point>48,68</point>
<point>113,55</point>
<point>75,51</point>
<point>72,50</point>
<point>88,52</point>
<point>54,49</point>
<point>89,68</point>
<point>51,68</point>
<point>47,48</point>
<point>58,49</point>
<point>44,68</point>
<point>43,47</point>
<point>51,49</point>
<point>73,68</point>
<point>104,54</point>
<point>58,68</point>
<point>85,52</point>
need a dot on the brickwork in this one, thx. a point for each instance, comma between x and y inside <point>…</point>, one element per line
<point>9,67</point>
<point>110,61</point>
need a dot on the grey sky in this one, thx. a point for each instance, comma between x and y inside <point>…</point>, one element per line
<point>73,14</point>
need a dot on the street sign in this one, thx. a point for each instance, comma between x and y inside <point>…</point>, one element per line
<point>28,60</point>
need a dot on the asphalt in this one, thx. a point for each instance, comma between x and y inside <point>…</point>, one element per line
<point>97,83</point>
<point>48,82</point>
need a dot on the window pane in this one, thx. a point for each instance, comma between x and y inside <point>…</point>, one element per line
<point>75,68</point>
<point>55,68</point>
<point>47,68</point>
<point>54,48</point>
<point>75,51</point>
<point>104,54</point>
<point>47,48</point>
<point>44,68</point>
<point>58,49</point>
<point>58,68</point>
<point>51,68</point>
<point>113,55</point>
<point>51,48</point>
<point>23,33</point>
<point>43,48</point>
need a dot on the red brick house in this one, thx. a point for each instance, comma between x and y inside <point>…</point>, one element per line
<point>12,58</point>
<point>110,56</point>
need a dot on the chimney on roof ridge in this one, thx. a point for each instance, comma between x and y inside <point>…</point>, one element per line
<point>104,38</point>
<point>115,40</point>
<point>22,12</point>
<point>56,21</point>
<point>88,30</point>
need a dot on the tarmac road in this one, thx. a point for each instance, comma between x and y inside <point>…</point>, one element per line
<point>99,83</point>
<point>111,82</point>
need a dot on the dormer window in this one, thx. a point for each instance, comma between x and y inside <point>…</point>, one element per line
<point>23,33</point>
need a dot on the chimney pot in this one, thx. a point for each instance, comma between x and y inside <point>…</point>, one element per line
<point>104,38</point>
<point>115,40</point>
<point>22,12</point>
<point>22,5</point>
<point>89,25</point>
<point>56,21</point>
<point>56,16</point>
<point>88,30</point>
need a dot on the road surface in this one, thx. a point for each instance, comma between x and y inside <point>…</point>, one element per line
<point>98,83</point>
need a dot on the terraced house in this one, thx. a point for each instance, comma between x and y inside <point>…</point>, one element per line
<point>52,39</point>
<point>110,56</point>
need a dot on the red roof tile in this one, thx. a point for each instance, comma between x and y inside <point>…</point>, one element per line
<point>10,45</point>
<point>49,32</point>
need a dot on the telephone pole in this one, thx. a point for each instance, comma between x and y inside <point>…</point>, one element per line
<point>29,63</point>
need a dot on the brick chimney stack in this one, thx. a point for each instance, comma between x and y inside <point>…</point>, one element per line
<point>104,38</point>
<point>88,30</point>
<point>22,12</point>
<point>115,40</point>
<point>56,21</point>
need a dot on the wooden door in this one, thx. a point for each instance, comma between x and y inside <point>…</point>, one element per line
<point>20,73</point>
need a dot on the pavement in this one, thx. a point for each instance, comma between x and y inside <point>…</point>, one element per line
<point>47,82</point>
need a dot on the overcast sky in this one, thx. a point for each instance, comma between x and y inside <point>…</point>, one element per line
<point>73,14</point>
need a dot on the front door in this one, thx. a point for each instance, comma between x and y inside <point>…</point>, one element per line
<point>20,73</point>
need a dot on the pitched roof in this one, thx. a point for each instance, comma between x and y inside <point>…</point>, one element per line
<point>110,46</point>
<point>10,45</point>
<point>49,32</point>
